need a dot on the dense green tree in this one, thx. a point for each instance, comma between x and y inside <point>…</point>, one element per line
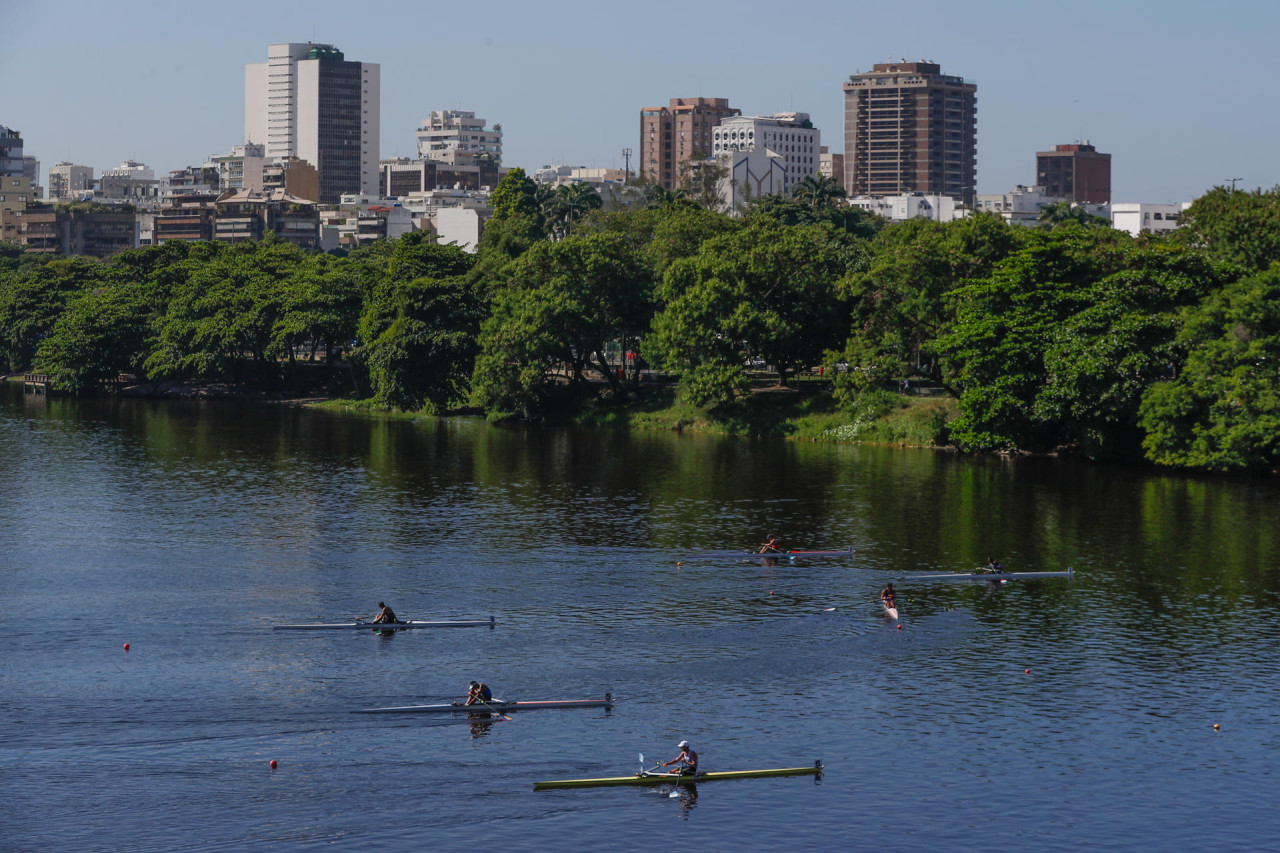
<point>901,300</point>
<point>100,334</point>
<point>1236,226</point>
<point>425,355</point>
<point>764,291</point>
<point>32,296</point>
<point>854,221</point>
<point>563,304</point>
<point>320,308</point>
<point>515,195</point>
<point>414,256</point>
<point>226,311</point>
<point>1222,411</point>
<point>1056,347</point>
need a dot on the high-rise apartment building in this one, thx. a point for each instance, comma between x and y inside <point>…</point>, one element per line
<point>673,135</point>
<point>910,128</point>
<point>1079,173</point>
<point>308,101</point>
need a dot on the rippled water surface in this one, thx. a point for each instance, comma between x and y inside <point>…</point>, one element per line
<point>1036,715</point>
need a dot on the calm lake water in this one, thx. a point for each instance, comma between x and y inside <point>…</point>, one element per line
<point>1037,715</point>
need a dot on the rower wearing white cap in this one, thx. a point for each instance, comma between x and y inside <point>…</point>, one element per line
<point>478,692</point>
<point>687,759</point>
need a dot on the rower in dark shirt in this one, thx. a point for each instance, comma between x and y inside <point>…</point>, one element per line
<point>479,694</point>
<point>385,614</point>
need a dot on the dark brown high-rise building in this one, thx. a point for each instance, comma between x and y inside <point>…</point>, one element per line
<point>671,136</point>
<point>1079,173</point>
<point>910,128</point>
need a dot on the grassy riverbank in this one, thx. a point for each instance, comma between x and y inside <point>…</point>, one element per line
<point>884,418</point>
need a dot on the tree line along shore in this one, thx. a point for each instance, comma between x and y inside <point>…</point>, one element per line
<point>1069,338</point>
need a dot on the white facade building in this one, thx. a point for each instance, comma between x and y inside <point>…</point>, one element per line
<point>791,136</point>
<point>752,173</point>
<point>900,208</point>
<point>1137,217</point>
<point>459,138</point>
<point>131,170</point>
<point>1020,206</point>
<point>308,101</point>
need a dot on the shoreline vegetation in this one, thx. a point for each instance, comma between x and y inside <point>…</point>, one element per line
<point>800,318</point>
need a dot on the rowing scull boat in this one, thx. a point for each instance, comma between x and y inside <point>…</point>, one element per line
<point>774,555</point>
<point>390,626</point>
<point>492,706</point>
<point>649,777</point>
<point>1069,574</point>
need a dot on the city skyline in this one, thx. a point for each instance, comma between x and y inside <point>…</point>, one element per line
<point>1175,96</point>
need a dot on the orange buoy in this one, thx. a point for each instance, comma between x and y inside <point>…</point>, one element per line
<point>126,647</point>
<point>273,764</point>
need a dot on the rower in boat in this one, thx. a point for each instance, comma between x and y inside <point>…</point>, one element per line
<point>687,761</point>
<point>771,546</point>
<point>889,597</point>
<point>385,614</point>
<point>478,694</point>
<point>993,567</point>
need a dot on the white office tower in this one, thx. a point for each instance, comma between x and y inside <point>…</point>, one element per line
<point>789,136</point>
<point>307,101</point>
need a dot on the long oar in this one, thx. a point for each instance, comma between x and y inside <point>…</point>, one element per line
<point>495,710</point>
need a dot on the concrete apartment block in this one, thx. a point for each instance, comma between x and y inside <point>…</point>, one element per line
<point>910,128</point>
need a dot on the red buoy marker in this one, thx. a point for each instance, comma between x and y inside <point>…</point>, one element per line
<point>126,647</point>
<point>1027,671</point>
<point>273,764</point>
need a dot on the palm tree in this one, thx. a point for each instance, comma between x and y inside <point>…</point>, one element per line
<point>1065,212</point>
<point>570,202</point>
<point>656,195</point>
<point>818,191</point>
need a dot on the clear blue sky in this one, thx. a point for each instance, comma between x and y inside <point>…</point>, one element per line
<point>1182,95</point>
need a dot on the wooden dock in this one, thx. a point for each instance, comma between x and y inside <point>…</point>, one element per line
<point>36,383</point>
